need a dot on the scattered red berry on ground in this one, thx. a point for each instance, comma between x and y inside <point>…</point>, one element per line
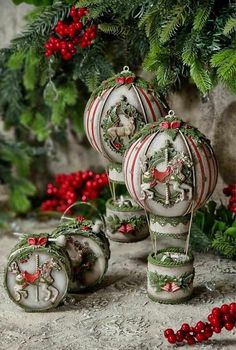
<point>219,318</point>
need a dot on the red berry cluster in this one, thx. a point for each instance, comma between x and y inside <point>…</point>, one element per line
<point>69,188</point>
<point>70,33</point>
<point>219,318</point>
<point>231,191</point>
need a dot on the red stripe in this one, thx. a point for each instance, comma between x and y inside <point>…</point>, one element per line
<point>127,159</point>
<point>93,117</point>
<point>133,164</point>
<point>158,105</point>
<point>87,120</point>
<point>149,104</point>
<point>209,167</point>
<point>202,170</point>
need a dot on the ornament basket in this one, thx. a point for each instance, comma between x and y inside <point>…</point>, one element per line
<point>126,222</point>
<point>170,276</point>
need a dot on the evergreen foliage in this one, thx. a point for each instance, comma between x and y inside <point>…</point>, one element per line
<point>214,228</point>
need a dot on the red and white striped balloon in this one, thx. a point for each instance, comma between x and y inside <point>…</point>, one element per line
<point>187,141</point>
<point>149,107</point>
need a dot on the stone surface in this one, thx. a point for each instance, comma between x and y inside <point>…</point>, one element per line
<point>118,315</point>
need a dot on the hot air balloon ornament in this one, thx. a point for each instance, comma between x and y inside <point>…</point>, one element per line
<point>116,111</point>
<point>170,170</point>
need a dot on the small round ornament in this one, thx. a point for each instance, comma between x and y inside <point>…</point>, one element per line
<point>37,273</point>
<point>170,276</point>
<point>119,108</point>
<point>125,220</point>
<point>87,248</point>
<point>170,169</point>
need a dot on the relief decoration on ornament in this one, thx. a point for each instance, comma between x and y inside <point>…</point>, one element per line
<point>42,277</point>
<point>170,284</point>
<point>126,226</point>
<point>82,258</point>
<point>120,124</point>
<point>175,181</point>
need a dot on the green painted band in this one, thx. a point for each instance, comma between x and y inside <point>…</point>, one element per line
<point>172,235</point>
<point>155,261</point>
<point>170,301</point>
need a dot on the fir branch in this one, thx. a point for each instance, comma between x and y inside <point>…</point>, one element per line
<point>36,32</point>
<point>202,15</point>
<point>200,76</point>
<point>230,25</point>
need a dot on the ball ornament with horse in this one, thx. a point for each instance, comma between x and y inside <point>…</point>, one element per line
<point>118,109</point>
<point>170,168</point>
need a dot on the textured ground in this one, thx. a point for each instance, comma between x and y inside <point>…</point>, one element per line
<point>118,315</point>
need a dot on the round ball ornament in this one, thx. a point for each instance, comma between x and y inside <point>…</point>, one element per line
<point>87,248</point>
<point>37,272</point>
<point>170,170</point>
<point>118,109</point>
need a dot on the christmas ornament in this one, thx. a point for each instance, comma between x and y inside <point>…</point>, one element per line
<point>75,30</point>
<point>119,108</point>
<point>37,272</point>
<point>170,170</point>
<point>126,221</point>
<point>231,191</point>
<point>69,188</point>
<point>170,276</point>
<point>219,318</point>
<point>87,248</point>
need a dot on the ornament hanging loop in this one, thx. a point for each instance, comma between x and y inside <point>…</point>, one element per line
<point>125,69</point>
<point>170,114</point>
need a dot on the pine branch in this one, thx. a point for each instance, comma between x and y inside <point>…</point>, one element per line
<point>200,76</point>
<point>176,19</point>
<point>36,32</point>
<point>230,25</point>
<point>202,15</point>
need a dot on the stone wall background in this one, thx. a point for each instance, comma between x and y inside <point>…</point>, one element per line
<point>216,117</point>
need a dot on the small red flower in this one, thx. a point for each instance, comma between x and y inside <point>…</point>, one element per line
<point>187,126</point>
<point>85,228</point>
<point>118,145</point>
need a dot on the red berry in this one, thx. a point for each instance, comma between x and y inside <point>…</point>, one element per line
<point>70,46</point>
<point>185,327</point>
<point>216,322</point>
<point>216,312</point>
<point>75,41</point>
<point>78,25</point>
<point>191,341</point>
<point>225,309</point>
<point>228,318</point>
<point>92,35</point>
<point>232,307</point>
<point>168,332</point>
<point>83,44</point>
<point>229,326</point>
<point>208,333</point>
<point>200,326</point>
<point>172,339</point>
<point>48,53</point>
<point>200,337</point>
<point>67,56</point>
<point>217,329</point>
<point>210,317</point>
<point>82,12</point>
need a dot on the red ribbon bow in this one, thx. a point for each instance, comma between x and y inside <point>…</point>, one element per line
<point>125,80</point>
<point>126,228</point>
<point>37,241</point>
<point>170,125</point>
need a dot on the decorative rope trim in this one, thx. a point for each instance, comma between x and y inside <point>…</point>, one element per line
<point>173,221</point>
<point>172,235</point>
<point>170,301</point>
<point>153,259</point>
<point>123,208</point>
